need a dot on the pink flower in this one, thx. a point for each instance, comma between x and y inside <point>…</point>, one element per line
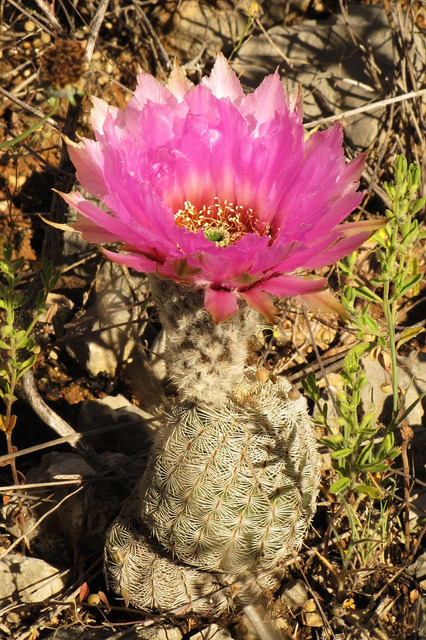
<point>208,186</point>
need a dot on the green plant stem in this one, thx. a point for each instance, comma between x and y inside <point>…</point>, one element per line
<point>7,144</point>
<point>390,319</point>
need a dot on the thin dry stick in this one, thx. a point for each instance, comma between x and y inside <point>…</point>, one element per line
<point>406,435</point>
<point>47,10</point>
<point>29,108</point>
<point>367,107</point>
<point>68,439</point>
<point>21,9</point>
<point>58,424</point>
<point>39,521</point>
<point>317,353</point>
<point>149,28</point>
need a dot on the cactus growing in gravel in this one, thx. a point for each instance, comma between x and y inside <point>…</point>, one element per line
<point>223,201</point>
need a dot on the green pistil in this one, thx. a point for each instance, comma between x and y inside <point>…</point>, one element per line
<point>220,236</point>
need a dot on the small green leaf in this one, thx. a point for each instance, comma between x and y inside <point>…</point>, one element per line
<point>373,492</point>
<point>411,282</point>
<point>341,484</point>
<point>343,453</point>
<point>418,205</point>
<point>408,335</point>
<point>366,293</point>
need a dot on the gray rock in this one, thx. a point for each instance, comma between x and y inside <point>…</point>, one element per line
<point>136,436</point>
<point>295,594</point>
<point>196,23</point>
<point>418,613</point>
<point>78,525</point>
<point>106,338</point>
<point>377,392</point>
<point>212,631</point>
<point>28,580</point>
<point>331,69</point>
<point>418,568</point>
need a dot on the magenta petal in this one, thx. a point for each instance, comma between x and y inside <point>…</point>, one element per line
<point>135,261</point>
<point>221,304</point>
<point>291,285</point>
<point>260,301</point>
<point>210,144</point>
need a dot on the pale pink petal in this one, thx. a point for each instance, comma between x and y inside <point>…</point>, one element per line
<point>295,102</point>
<point>261,302</point>
<point>222,305</point>
<point>265,101</point>
<point>88,159</point>
<point>178,83</point>
<point>148,88</point>
<point>100,111</point>
<point>322,302</point>
<point>223,82</point>
<point>92,232</point>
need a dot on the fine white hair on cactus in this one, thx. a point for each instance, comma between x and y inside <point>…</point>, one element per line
<point>144,574</point>
<point>204,359</point>
<point>233,488</point>
<point>147,577</point>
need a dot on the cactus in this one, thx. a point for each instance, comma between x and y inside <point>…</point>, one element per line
<point>231,483</point>
<point>233,489</point>
<point>204,360</point>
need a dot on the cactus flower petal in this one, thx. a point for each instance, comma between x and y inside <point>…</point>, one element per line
<point>207,186</point>
<point>220,304</point>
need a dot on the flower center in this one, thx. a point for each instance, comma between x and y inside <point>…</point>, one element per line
<point>222,223</point>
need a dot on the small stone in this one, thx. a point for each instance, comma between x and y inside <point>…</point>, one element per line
<point>28,580</point>
<point>418,568</point>
<point>262,375</point>
<point>293,394</point>
<point>310,606</point>
<point>295,594</point>
<point>414,595</point>
<point>213,631</point>
<point>313,619</point>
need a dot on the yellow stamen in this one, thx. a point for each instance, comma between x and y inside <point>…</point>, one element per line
<point>223,223</point>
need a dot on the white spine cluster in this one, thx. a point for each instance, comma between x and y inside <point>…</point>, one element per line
<point>204,360</point>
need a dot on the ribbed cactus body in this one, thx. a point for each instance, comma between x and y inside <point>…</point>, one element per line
<point>204,360</point>
<point>233,489</point>
<point>148,578</point>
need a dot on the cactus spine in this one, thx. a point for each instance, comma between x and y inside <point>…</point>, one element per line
<point>232,480</point>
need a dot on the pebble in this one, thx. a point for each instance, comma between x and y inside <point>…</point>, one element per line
<point>313,620</point>
<point>28,580</point>
<point>295,594</point>
<point>29,26</point>
<point>213,631</point>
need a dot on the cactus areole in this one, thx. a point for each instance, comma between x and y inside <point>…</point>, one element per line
<point>207,186</point>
